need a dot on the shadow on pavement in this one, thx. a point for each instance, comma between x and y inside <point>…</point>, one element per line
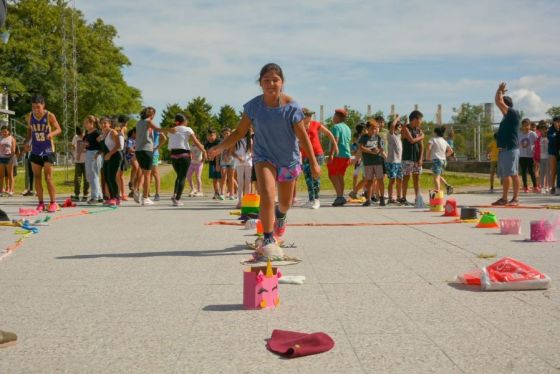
<point>223,308</point>
<point>224,252</point>
<point>464,287</point>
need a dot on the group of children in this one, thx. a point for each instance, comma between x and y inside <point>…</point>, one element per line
<point>539,150</point>
<point>397,154</point>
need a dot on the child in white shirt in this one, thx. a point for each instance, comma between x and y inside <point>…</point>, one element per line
<point>438,150</point>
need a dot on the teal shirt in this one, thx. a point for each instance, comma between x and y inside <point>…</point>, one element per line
<point>343,134</point>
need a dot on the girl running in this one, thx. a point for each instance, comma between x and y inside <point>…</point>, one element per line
<point>278,124</point>
<point>180,150</point>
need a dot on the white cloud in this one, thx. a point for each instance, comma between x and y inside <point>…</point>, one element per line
<point>530,103</point>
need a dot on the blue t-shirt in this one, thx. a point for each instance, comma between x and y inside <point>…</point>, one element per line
<point>508,132</point>
<point>343,134</point>
<point>275,138</point>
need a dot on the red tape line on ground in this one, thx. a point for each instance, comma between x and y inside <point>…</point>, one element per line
<point>357,224</point>
<point>514,207</point>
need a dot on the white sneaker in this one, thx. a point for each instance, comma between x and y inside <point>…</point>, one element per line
<point>198,194</point>
<point>308,204</point>
<point>191,194</point>
<point>147,201</point>
<point>316,204</point>
<point>136,195</point>
<point>177,202</point>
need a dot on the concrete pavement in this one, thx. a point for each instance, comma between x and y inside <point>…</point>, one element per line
<point>154,289</point>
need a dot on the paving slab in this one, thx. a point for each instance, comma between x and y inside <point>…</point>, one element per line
<point>157,290</point>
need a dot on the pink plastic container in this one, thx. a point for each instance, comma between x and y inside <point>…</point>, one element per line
<point>542,231</point>
<point>510,226</point>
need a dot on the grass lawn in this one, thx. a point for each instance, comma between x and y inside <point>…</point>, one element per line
<point>168,179</point>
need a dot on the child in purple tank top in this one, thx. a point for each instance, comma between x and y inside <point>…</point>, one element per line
<point>42,128</point>
<point>278,124</point>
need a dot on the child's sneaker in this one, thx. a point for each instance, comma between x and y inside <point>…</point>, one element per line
<point>367,203</point>
<point>191,194</point>
<point>392,201</point>
<point>382,201</point>
<point>198,194</point>
<point>270,251</point>
<point>316,204</point>
<point>53,207</point>
<point>147,201</point>
<point>353,195</point>
<point>112,202</point>
<point>75,198</point>
<point>136,195</point>
<point>221,197</point>
<point>449,189</point>
<point>279,227</point>
<point>525,189</point>
<point>40,207</point>
<point>156,197</point>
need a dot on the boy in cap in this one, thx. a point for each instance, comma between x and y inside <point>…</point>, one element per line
<point>339,161</point>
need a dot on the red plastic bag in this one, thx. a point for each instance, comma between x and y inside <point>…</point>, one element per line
<point>511,274</point>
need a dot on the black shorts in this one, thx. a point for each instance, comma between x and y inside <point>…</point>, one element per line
<point>145,159</point>
<point>42,160</point>
<point>213,173</point>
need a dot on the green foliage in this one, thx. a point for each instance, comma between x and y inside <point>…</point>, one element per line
<point>553,111</point>
<point>468,117</point>
<point>470,114</point>
<point>201,118</point>
<point>31,61</point>
<point>228,117</point>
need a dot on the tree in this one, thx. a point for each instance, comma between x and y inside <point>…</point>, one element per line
<point>469,117</point>
<point>31,61</point>
<point>201,118</point>
<point>228,117</point>
<point>553,111</point>
<point>168,114</point>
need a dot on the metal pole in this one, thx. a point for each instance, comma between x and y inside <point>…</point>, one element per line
<point>64,85</point>
<point>369,110</point>
<point>479,142</point>
<point>322,114</point>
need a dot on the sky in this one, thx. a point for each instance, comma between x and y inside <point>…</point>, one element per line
<point>336,53</point>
